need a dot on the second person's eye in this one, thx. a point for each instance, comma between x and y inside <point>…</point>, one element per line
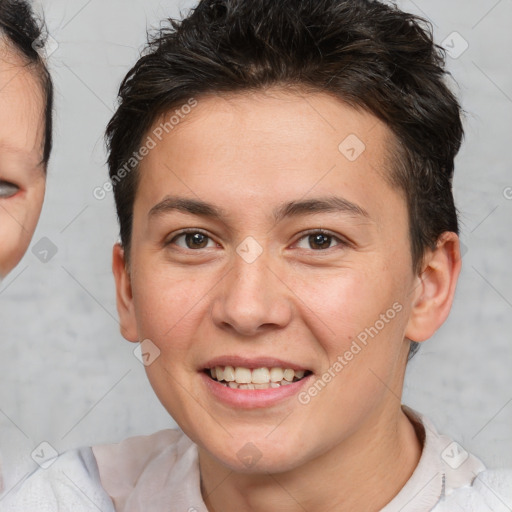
<point>8,189</point>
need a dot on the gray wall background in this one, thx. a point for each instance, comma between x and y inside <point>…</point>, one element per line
<point>69,378</point>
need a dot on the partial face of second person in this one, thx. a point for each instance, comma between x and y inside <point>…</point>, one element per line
<point>22,173</point>
<point>256,285</point>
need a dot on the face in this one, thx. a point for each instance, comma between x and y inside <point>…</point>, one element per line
<point>264,238</point>
<point>22,175</point>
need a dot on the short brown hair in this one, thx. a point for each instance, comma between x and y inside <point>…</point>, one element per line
<point>370,55</point>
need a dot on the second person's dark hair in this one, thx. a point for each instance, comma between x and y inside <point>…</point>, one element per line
<point>25,34</point>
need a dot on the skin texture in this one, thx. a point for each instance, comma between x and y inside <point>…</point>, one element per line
<point>21,154</point>
<point>248,154</point>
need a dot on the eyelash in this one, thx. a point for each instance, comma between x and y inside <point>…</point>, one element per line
<point>341,242</point>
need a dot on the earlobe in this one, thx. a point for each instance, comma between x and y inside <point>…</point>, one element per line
<point>434,288</point>
<point>124,298</point>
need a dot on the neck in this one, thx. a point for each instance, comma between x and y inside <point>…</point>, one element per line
<point>364,472</point>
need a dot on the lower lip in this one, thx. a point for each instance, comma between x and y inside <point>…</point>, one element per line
<point>252,398</point>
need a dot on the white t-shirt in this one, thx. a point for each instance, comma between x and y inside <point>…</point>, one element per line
<point>160,473</point>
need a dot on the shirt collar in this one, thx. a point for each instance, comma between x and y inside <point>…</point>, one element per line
<point>170,471</point>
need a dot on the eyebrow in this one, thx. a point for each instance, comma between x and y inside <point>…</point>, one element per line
<point>329,204</point>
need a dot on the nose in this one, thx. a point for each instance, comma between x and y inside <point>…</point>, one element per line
<point>252,298</point>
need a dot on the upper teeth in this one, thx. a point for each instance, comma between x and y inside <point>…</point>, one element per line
<point>257,376</point>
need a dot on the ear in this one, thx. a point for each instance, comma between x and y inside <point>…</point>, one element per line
<point>434,288</point>
<point>125,308</point>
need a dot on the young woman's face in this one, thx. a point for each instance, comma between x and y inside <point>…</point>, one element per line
<point>257,286</point>
<point>22,175</point>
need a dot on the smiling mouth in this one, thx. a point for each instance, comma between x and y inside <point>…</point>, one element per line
<point>257,378</point>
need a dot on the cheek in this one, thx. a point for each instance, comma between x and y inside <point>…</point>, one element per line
<point>347,300</point>
<point>14,242</point>
<point>18,221</point>
<point>34,204</point>
<point>360,318</point>
<point>167,305</point>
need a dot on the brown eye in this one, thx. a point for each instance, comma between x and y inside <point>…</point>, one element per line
<point>193,240</point>
<point>196,240</point>
<point>318,241</point>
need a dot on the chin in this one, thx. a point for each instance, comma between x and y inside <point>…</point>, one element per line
<point>260,456</point>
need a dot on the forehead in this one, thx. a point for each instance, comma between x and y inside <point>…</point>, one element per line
<point>265,147</point>
<point>21,109</point>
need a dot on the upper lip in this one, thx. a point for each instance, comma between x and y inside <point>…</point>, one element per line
<point>252,363</point>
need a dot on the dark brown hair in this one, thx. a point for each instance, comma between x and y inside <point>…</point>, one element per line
<point>25,34</point>
<point>370,55</point>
